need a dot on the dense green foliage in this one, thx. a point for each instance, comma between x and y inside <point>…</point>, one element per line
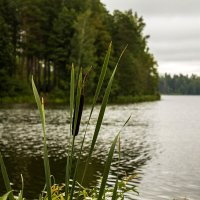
<point>44,37</point>
<point>180,84</point>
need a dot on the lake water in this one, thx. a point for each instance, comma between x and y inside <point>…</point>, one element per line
<point>161,144</point>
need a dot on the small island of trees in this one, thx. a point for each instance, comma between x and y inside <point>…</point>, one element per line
<point>180,84</point>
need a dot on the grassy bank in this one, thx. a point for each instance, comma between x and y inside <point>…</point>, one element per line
<point>50,100</point>
<point>135,99</point>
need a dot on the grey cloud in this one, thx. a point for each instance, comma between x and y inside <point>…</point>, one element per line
<point>178,67</point>
<point>173,26</point>
<point>182,51</point>
<point>174,38</point>
<point>156,7</point>
<point>178,55</point>
<point>164,7</point>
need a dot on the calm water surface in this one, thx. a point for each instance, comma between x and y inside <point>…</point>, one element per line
<point>161,144</point>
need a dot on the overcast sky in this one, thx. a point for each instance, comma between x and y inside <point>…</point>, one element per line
<point>174,27</point>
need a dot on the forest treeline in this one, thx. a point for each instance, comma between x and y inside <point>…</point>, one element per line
<point>180,84</point>
<point>44,37</point>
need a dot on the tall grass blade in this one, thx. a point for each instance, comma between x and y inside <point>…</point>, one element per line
<point>77,104</point>
<point>107,168</point>
<point>72,86</point>
<point>100,82</point>
<point>6,178</point>
<point>46,159</point>
<point>99,85</point>
<point>114,196</point>
<point>5,196</point>
<point>78,96</point>
<point>101,77</point>
<point>20,197</point>
<point>101,115</point>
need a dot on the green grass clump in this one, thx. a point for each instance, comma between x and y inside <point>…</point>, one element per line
<point>67,191</point>
<point>136,99</point>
